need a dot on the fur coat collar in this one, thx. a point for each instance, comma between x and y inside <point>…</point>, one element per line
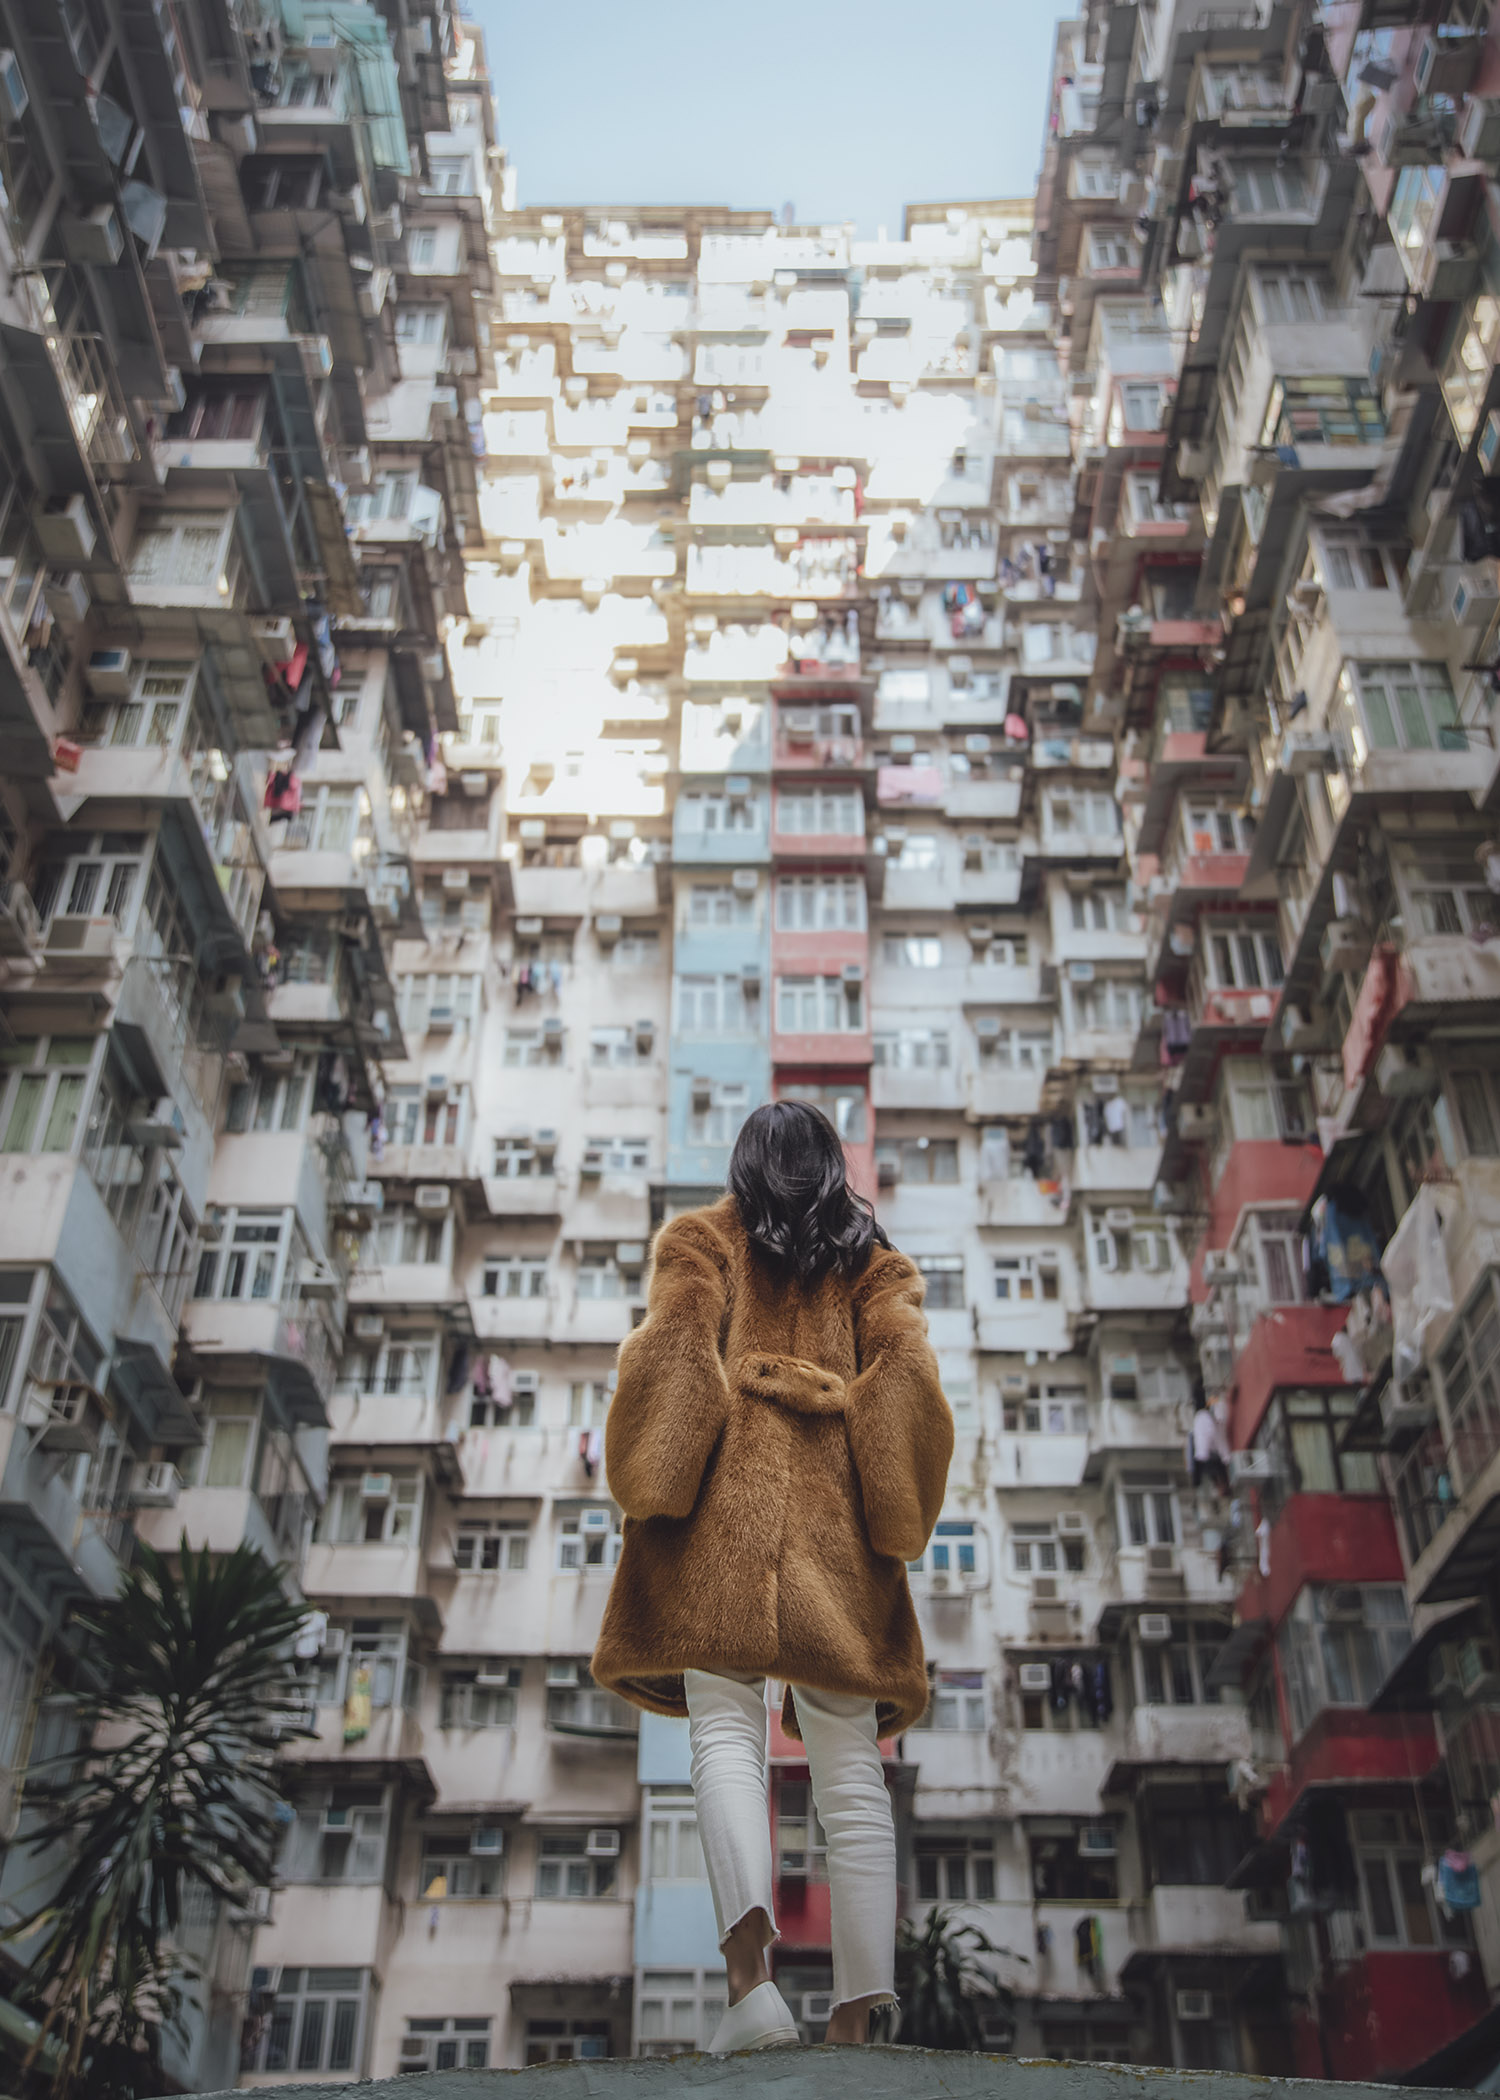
<point>779,1453</point>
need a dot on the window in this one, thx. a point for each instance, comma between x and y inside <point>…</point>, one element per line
<point>401,1235</point>
<point>515,1276</point>
<point>1476,1101</point>
<point>566,1873</point>
<point>1004,951</point>
<point>186,549</point>
<point>673,1850</point>
<point>1034,1550</point>
<point>955,1870</point>
<point>99,880</point>
<point>1407,707</point>
<point>1209,827</point>
<point>678,2010</point>
<point>1143,1248</point>
<point>160,697</point>
<point>952,1550</point>
<point>1290,295</point>
<point>373,1509</point>
<point>922,1162</point>
<point>804,812</point>
<point>1018,1049</point>
<point>1302,1431</point>
<point>1328,409</point>
<point>451,1873</point>
<point>1098,911</point>
<point>918,853</point>
<point>450,175</point>
<point>1243,961</point>
<point>588,1403</point>
<point>710,1005</point>
<point>223,1459</point>
<point>912,1050</point>
<point>1276,1236</point>
<point>708,813</point>
<point>1108,1003</point>
<point>620,1155</point>
<point>957,1705</point>
<point>422,248</point>
<point>525,1048</point>
<point>339,1834</point>
<point>243,1254</point>
<point>944,1276</point>
<point>639,949</point>
<point>1141,402</point>
<point>333,820</point>
<point>1339,1644</point>
<point>844,1106</point>
<point>1175,1672</point>
<point>1443,894</point>
<point>1108,250</point>
<point>566,2041</point>
<point>1086,813</point>
<point>438,1001</point>
<point>819,1006</point>
<point>719,904</point>
<point>516,1159</point>
<point>1264,188</point>
<point>717,1120</point>
<point>1391,1848</point>
<point>427,325</point>
<point>801,1848</point>
<point>588,1537</point>
<point>599,1274</point>
<point>1093,177</point>
<point>617,1046</point>
<point>485,1547</point>
<point>1024,1279</point>
<point>1349,563</point>
<point>1192,1841</point>
<point>315,2022</point>
<point>1061,1873</point>
<point>451,2044</point>
<point>1148,1512</point>
<point>42,1086</point>
<point>912,951</point>
<point>273,1100</point>
<point>1048,1410</point>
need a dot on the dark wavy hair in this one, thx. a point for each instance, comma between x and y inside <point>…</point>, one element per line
<point>788,1175</point>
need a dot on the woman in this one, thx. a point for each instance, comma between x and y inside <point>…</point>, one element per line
<point>779,1443</point>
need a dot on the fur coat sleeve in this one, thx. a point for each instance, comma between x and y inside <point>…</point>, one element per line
<point>900,1425</point>
<point>671,1397</point>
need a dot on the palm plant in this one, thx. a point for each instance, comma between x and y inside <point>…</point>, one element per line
<point>177,1789</point>
<point>945,1989</point>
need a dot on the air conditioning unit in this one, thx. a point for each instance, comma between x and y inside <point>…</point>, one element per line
<point>368,1327</point>
<point>1446,62</point>
<point>545,1142</point>
<point>987,1027</point>
<point>375,1487</point>
<point>1161,1560</point>
<point>1344,1602</point>
<point>1478,136</point>
<point>1405,1072</point>
<point>960,669</point>
<point>74,1416</point>
<point>591,1160</point>
<point>1072,1524</point>
<point>432,1198</point>
<point>253,1908</point>
<point>1096,1841</point>
<point>66,530</point>
<point>602,1844</point>
<point>853,975</point>
<point>1301,1030</point>
<point>68,597</point>
<point>1406,1404</point>
<point>562,1675</point>
<point>157,1485</point>
<point>1304,752</point>
<point>594,1523</point>
<point>817,2007</point>
<point>980,933</point>
<point>1015,1385</point>
<point>1220,1267</point>
<point>94,236</point>
<point>974,844</point>
<point>940,1579</point>
<point>1195,2005</point>
<point>334,1640</point>
<point>487,1842</point>
<point>1035,1677</point>
<point>1119,1218</point>
<point>1196,1123</point>
<point>1345,946</point>
<point>364,1200</point>
<point>1251,1465</point>
<point>750,980</point>
<point>73,934</point>
<point>630,1254</point>
<point>887,1172</point>
<point>1080,973</point>
<point>977,745</point>
<point>495,1680</point>
<point>743,879</point>
<point>608,926</point>
<point>737,787</point>
<point>552,1032</point>
<point>318,1279</point>
<point>800,725</point>
<point>1045,1590</point>
<point>1154,1627</point>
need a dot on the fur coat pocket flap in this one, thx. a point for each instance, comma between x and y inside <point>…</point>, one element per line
<point>790,1382</point>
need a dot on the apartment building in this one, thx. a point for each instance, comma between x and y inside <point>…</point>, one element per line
<point>236,466</point>
<point>493,694</point>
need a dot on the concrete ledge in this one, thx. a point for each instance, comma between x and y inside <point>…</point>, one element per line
<point>842,2074</point>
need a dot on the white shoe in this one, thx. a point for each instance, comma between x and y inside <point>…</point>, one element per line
<point>761,2020</point>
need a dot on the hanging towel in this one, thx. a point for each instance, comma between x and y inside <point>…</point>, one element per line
<point>1458,1881</point>
<point>358,1705</point>
<point>1104,1696</point>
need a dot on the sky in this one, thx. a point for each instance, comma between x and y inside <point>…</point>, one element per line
<point>844,112</point>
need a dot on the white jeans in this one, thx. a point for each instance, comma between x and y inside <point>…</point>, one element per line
<point>727,1724</point>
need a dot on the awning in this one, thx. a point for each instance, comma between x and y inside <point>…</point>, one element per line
<point>1227,1670</point>
<point>1406,1689</point>
<point>38,407</point>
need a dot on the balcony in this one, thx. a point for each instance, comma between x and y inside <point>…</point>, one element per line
<point>376,1419</point>
<point>1182,1735</point>
<point>998,1092</point>
<point>57,1496</point>
<point>365,1571</point>
<point>1204,1922</point>
<point>246,1338</point>
<point>395,1736</point>
<point>220,1520</point>
<point>985,799</point>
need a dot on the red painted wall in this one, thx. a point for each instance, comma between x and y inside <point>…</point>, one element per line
<point>1385,2014</point>
<point>1345,1743</point>
<point>1258,1170</point>
<point>1324,1538</point>
<point>1288,1346</point>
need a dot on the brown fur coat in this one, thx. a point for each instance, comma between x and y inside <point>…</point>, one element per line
<point>779,1454</point>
